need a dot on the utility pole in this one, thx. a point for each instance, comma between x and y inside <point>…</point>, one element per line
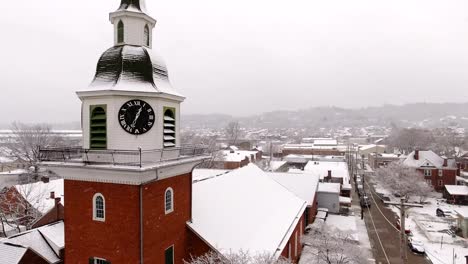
<point>403,206</point>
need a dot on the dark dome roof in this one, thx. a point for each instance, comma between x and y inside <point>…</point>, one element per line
<point>129,63</point>
<point>133,5</point>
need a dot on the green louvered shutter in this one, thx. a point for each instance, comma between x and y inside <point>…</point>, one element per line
<point>98,127</point>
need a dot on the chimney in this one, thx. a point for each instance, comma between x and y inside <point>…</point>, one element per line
<point>466,258</point>
<point>57,209</point>
<point>52,195</point>
<point>329,174</point>
<point>445,162</point>
<point>416,154</point>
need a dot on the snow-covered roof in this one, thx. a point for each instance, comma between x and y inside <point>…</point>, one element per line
<point>133,5</point>
<point>38,194</point>
<point>321,168</point>
<point>39,240</point>
<point>116,71</point>
<point>229,212</point>
<point>325,142</point>
<point>344,200</point>
<point>11,253</point>
<point>427,158</point>
<point>463,211</point>
<point>328,187</point>
<point>238,155</point>
<point>343,223</point>
<point>457,189</point>
<point>200,174</point>
<point>303,185</point>
<point>276,164</point>
<point>15,172</point>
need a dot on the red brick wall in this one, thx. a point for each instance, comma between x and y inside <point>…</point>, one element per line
<point>197,247</point>
<point>292,240</point>
<point>31,257</point>
<point>448,178</point>
<point>116,239</point>
<point>163,230</point>
<point>54,215</point>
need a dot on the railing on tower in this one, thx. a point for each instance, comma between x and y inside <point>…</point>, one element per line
<point>134,158</point>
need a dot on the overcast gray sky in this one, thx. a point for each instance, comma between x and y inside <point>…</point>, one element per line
<point>245,56</point>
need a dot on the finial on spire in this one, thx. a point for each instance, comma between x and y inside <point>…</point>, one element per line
<point>133,5</point>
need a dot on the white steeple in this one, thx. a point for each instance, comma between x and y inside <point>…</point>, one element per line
<point>132,26</point>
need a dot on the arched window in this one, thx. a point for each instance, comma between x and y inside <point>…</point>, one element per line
<point>169,200</point>
<point>99,207</point>
<point>169,127</point>
<point>147,36</point>
<point>98,130</point>
<point>120,32</point>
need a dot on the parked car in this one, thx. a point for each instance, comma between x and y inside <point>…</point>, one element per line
<point>365,201</point>
<point>407,231</point>
<point>416,246</point>
<point>443,213</point>
<point>384,198</point>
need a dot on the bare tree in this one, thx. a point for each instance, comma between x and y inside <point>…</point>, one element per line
<point>327,245</point>
<point>16,209</point>
<point>232,132</point>
<point>408,139</point>
<point>25,141</point>
<point>242,257</point>
<point>403,180</point>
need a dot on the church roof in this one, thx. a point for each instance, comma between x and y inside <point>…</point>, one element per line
<point>131,68</point>
<point>133,5</point>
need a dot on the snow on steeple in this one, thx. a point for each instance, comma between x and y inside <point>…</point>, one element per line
<point>132,26</point>
<point>133,5</point>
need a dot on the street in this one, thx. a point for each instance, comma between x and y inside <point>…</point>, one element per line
<point>388,235</point>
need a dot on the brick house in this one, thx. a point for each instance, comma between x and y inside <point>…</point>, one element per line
<point>437,171</point>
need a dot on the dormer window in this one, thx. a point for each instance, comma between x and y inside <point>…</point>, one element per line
<point>120,32</point>
<point>147,36</point>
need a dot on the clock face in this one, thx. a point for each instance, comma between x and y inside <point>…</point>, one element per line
<point>136,117</point>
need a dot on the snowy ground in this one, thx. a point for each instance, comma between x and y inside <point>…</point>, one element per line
<point>440,245</point>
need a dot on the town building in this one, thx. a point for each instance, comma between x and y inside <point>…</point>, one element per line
<point>437,171</point>
<point>320,146</point>
<point>378,160</point>
<point>131,195</point>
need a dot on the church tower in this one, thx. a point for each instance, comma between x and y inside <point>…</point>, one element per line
<point>128,189</point>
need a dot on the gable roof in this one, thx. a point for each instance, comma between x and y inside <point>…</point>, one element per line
<point>38,194</point>
<point>11,253</point>
<point>428,156</point>
<point>39,240</point>
<point>303,185</point>
<point>245,210</point>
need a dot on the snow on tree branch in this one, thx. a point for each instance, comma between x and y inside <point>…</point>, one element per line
<point>242,257</point>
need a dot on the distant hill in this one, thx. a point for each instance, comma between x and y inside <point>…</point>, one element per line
<point>408,115</point>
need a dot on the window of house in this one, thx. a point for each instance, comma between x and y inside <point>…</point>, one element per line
<point>147,36</point>
<point>120,32</point>
<point>429,182</point>
<point>169,200</point>
<point>169,255</point>
<point>99,207</point>
<point>96,260</point>
<point>441,183</point>
<point>427,172</point>
<point>98,127</point>
<point>169,127</point>
<point>441,173</point>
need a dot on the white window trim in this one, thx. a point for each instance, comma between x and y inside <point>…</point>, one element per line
<point>429,172</point>
<point>172,201</point>
<point>441,173</point>
<point>95,260</point>
<point>440,183</point>
<point>173,252</point>
<point>95,218</point>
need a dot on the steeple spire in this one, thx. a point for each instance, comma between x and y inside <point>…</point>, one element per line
<point>132,25</point>
<point>133,5</point>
